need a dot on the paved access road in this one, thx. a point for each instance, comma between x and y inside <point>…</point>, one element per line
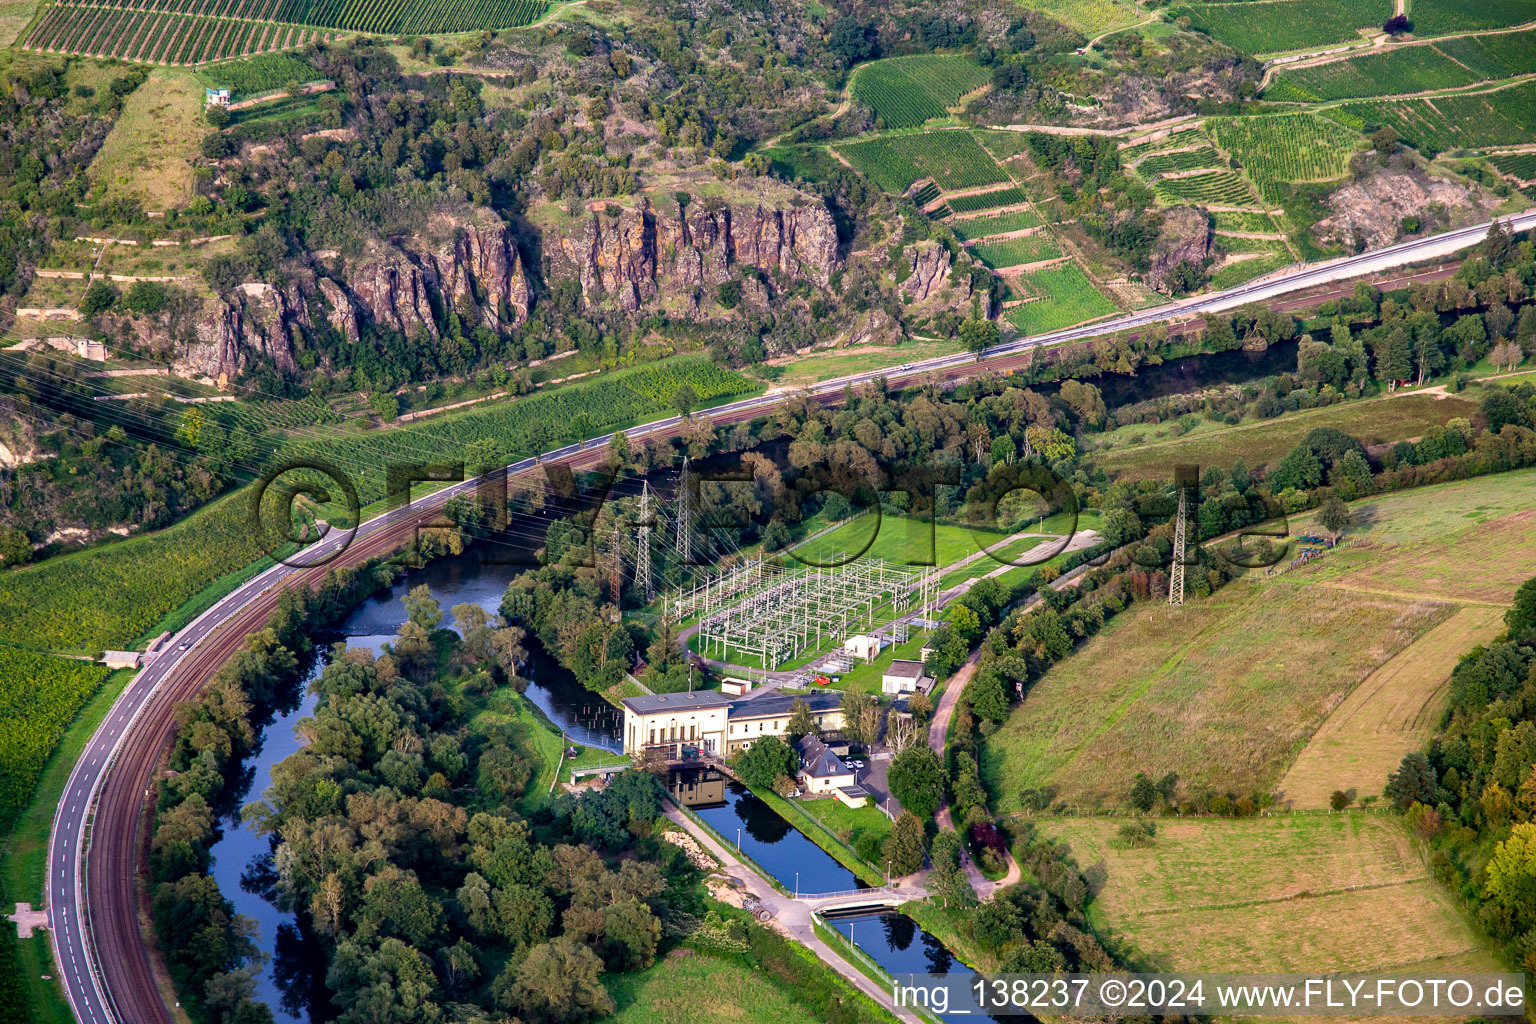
<point>97,852</point>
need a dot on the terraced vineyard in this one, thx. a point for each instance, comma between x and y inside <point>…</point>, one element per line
<point>1283,25</point>
<point>1178,140</point>
<point>199,31</point>
<point>1013,252</point>
<point>904,92</point>
<point>1501,117</point>
<point>986,200</point>
<point>1498,55</point>
<point>952,159</point>
<point>1407,70</point>
<point>1090,17</point>
<point>1236,220</point>
<point>1180,160</point>
<point>1435,17</point>
<point>1516,165</point>
<point>1214,188</point>
<point>995,224</point>
<point>999,143</point>
<point>1286,148</point>
<point>1067,297</point>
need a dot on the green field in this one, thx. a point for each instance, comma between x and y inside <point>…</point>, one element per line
<point>1067,297</point>
<point>1142,453</point>
<point>1090,17</point>
<point>1001,144</point>
<point>1235,274</point>
<point>1284,25</point>
<point>1410,69</point>
<point>257,75</point>
<point>995,224</point>
<point>1177,140</point>
<point>39,696</point>
<point>1216,188</point>
<point>952,159</point>
<point>985,200</point>
<point>903,92</point>
<point>1236,220</point>
<point>1518,165</point>
<point>1324,892</point>
<point>1434,17</point>
<point>1499,117</point>
<point>1286,148</point>
<point>1180,160</point>
<point>688,987</point>
<point>1011,252</point>
<point>897,539</point>
<point>1497,55</point>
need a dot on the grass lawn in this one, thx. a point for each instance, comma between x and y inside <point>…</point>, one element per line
<point>1372,421</point>
<point>687,987</point>
<point>1314,892</point>
<point>898,539</point>
<point>507,705</point>
<point>14,16</point>
<point>149,152</point>
<point>24,854</point>
<point>847,823</point>
<point>825,365</point>
<point>1225,691</point>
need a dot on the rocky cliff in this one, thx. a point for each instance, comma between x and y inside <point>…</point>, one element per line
<point>462,262</point>
<point>1185,237</point>
<point>641,253</point>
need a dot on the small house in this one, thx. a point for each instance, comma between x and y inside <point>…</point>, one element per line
<point>216,97</point>
<point>122,659</point>
<point>824,771</point>
<point>862,646</point>
<point>734,686</point>
<point>905,677</point>
<point>853,796</point>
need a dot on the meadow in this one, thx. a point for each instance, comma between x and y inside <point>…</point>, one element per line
<point>1265,442</point>
<point>1285,25</point>
<point>897,539</point>
<point>903,92</point>
<point>1234,274</point>
<point>1340,892</point>
<point>1067,297</point>
<point>952,159</point>
<point>688,987</point>
<point>148,154</point>
<point>1001,144</point>
<point>1225,691</point>
<point>1497,117</point>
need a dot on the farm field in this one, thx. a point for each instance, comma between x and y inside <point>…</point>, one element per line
<point>1497,55</point>
<point>1285,25</point>
<point>1067,297</point>
<point>157,37</point>
<point>985,200</point>
<point>1468,542</point>
<point>148,155</point>
<point>106,597</point>
<point>1497,117</point>
<point>687,987</point>
<point>1263,443</point>
<point>952,159</point>
<point>1219,895</point>
<point>1286,147</point>
<point>262,74</point>
<point>897,539</point>
<point>1393,712</point>
<point>1012,252</point>
<point>995,224</point>
<point>1516,165</point>
<point>1179,160</point>
<point>1435,17</point>
<point>1407,70</point>
<point>1090,17</point>
<point>904,92</point>
<point>1225,691</point>
<point>1217,188</point>
<point>39,695</point>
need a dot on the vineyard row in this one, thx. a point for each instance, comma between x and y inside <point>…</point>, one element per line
<point>91,25</point>
<point>159,38</point>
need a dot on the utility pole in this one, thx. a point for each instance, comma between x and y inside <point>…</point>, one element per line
<point>615,566</point>
<point>684,538</point>
<point>643,555</point>
<point>1176,574</point>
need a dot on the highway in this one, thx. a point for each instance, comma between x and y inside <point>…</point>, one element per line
<point>91,896</point>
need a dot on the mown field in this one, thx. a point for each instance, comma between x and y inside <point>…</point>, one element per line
<point>903,92</point>
<point>1225,691</point>
<point>1266,442</point>
<point>1067,297</point>
<point>687,987</point>
<point>1285,25</point>
<point>1327,893</point>
<point>148,154</point>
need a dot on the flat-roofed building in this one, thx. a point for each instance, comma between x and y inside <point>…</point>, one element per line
<point>768,715</point>
<point>905,677</point>
<point>664,723</point>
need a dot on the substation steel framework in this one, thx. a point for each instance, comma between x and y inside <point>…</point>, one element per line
<point>774,614</point>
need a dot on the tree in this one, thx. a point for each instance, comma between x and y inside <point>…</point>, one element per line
<point>1506,355</point>
<point>684,399</point>
<point>1511,883</point>
<point>1522,613</point>
<point>1334,516</point>
<point>1413,782</point>
<point>422,608</point>
<point>146,297</point>
<point>98,298</point>
<point>920,706</point>
<point>217,115</point>
<point>861,718</point>
<point>849,42</point>
<point>904,845</point>
<point>764,761</point>
<point>978,335</point>
<point>559,981</point>
<point>916,778</point>
<point>800,721</point>
<point>1143,793</point>
<point>1397,25</point>
<point>1338,800</point>
<point>15,546</point>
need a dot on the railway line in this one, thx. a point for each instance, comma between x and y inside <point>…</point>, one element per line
<point>98,853</point>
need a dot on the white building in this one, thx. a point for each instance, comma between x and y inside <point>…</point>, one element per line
<point>862,646</point>
<point>905,677</point>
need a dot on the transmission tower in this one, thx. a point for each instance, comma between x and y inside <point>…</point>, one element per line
<point>684,537</point>
<point>643,553</point>
<point>1176,575</point>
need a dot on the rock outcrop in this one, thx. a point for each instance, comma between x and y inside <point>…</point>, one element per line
<point>1185,238</point>
<point>930,276</point>
<point>1369,211</point>
<point>636,255</point>
<point>463,262</point>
